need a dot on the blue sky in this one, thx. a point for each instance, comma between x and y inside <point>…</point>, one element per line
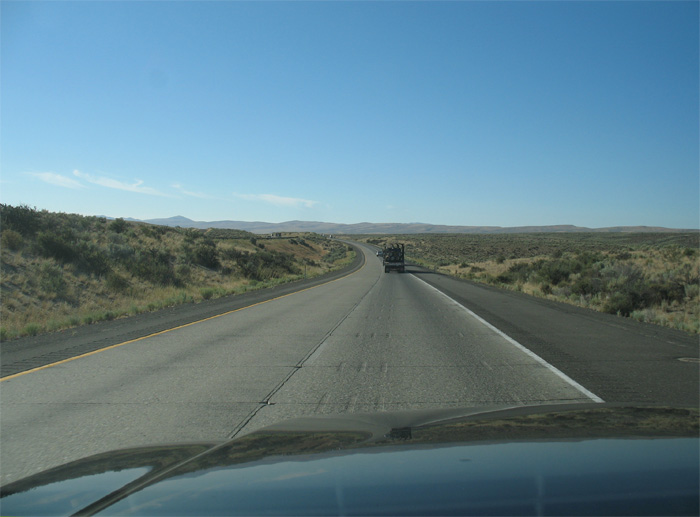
<point>463,113</point>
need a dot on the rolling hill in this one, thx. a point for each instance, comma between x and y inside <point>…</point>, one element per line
<point>260,227</point>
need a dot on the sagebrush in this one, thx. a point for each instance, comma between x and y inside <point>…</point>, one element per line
<point>651,277</point>
<point>61,270</point>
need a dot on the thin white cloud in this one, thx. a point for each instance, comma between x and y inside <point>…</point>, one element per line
<point>137,186</point>
<point>199,195</point>
<point>287,202</point>
<point>56,179</point>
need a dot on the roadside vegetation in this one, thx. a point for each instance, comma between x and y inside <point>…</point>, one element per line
<point>64,270</point>
<point>651,277</point>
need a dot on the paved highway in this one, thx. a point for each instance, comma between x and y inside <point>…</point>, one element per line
<point>365,342</point>
<point>620,360</point>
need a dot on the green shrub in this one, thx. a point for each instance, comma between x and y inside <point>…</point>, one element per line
<point>11,240</point>
<point>192,234</point>
<point>505,278</point>
<point>31,329</point>
<point>622,303</point>
<point>672,253</point>
<point>183,272</point>
<point>22,219</point>
<point>91,259</point>
<point>556,271</point>
<point>692,291</point>
<point>56,246</point>
<point>156,232</point>
<point>231,253</point>
<point>627,291</point>
<point>336,253</point>
<point>264,265</point>
<point>119,225</point>
<point>116,282</point>
<point>587,284</point>
<point>158,273</point>
<point>51,279</point>
<point>67,249</point>
<point>205,254</point>
<point>657,292</point>
<point>517,273</point>
<point>120,253</point>
<point>589,259</point>
<point>155,266</point>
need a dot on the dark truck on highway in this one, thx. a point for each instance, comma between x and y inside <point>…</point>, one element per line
<point>393,258</point>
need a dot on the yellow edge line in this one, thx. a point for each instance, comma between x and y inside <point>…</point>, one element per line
<point>15,375</point>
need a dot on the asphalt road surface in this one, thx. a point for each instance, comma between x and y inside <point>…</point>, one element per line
<point>365,342</point>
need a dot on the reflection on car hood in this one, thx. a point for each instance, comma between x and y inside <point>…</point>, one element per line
<point>583,459</point>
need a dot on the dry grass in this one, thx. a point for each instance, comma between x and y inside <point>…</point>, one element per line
<point>682,315</point>
<point>654,278</point>
<point>41,290</point>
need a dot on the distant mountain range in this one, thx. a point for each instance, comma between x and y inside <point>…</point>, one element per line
<point>386,228</point>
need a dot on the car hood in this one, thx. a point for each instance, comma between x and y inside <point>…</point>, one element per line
<point>582,459</point>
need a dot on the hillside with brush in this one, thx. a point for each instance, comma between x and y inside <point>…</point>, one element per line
<point>650,277</point>
<point>62,270</point>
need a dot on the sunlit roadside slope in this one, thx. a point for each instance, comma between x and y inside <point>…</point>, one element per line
<point>62,270</point>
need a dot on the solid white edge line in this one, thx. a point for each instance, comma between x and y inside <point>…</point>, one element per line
<point>553,369</point>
